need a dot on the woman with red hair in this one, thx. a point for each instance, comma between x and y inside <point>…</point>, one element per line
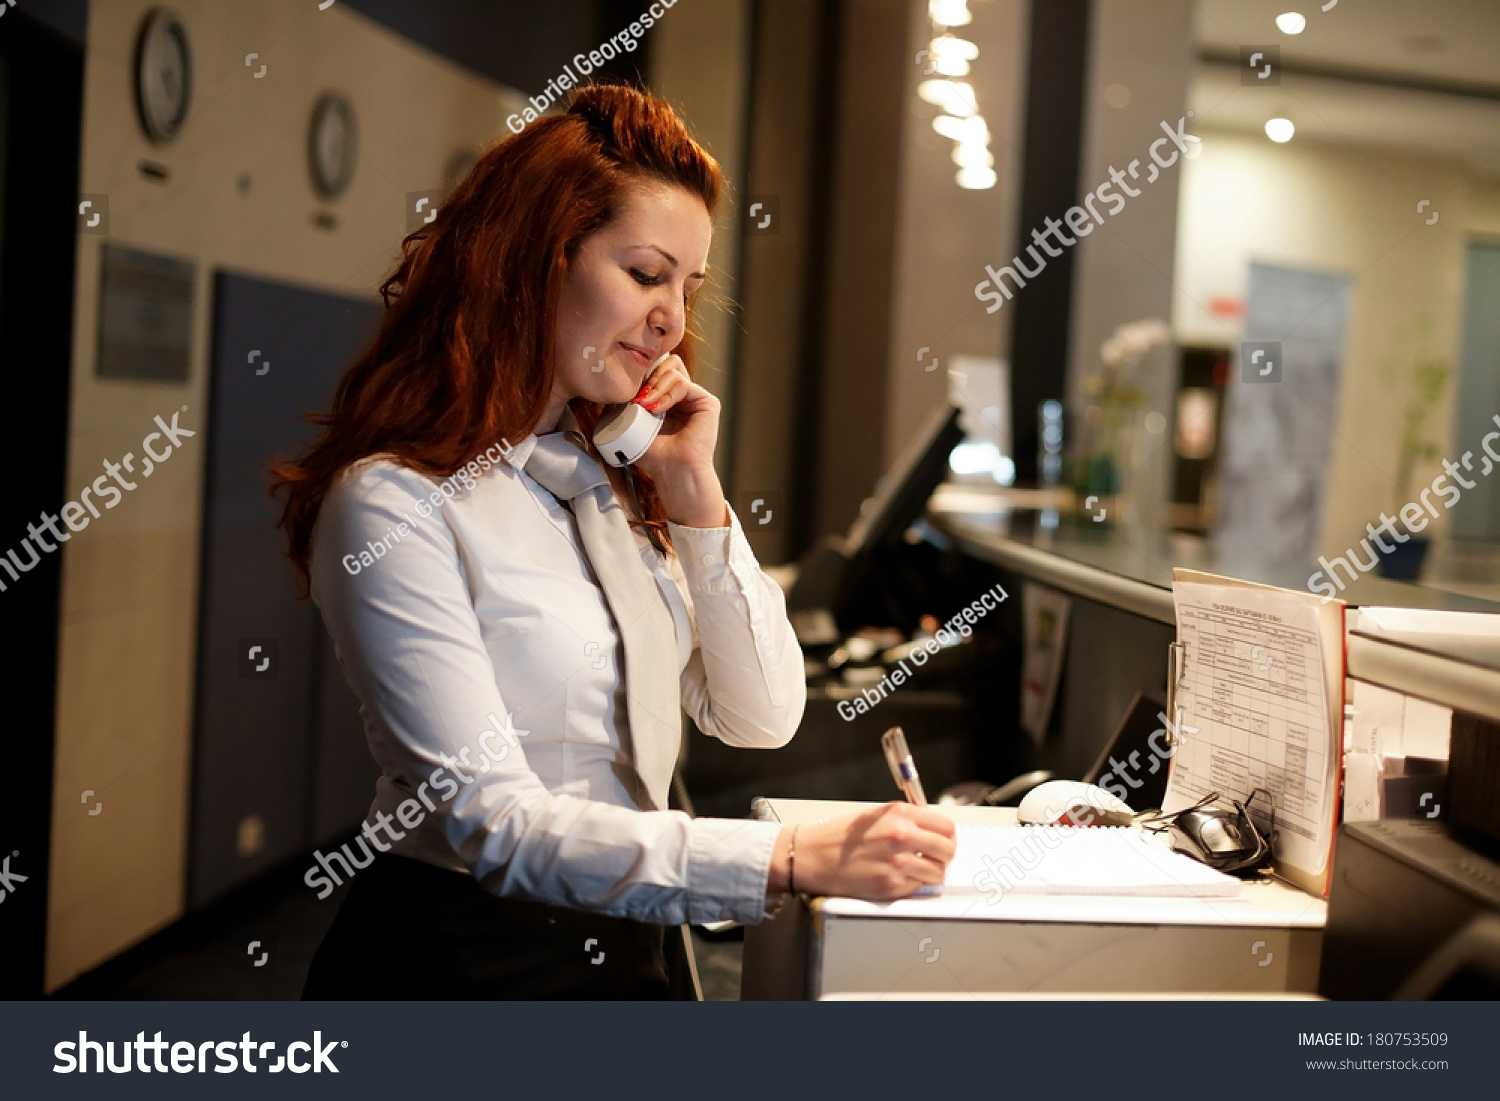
<point>524,628</point>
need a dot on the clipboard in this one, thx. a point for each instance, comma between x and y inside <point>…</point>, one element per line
<point>1257,695</point>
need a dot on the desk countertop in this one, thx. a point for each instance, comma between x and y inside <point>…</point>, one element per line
<point>1262,903</point>
<point>1133,569</point>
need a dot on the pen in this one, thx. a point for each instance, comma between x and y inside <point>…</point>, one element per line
<point>903,768</point>
<point>1176,669</point>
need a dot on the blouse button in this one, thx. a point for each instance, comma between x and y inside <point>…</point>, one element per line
<point>708,560</point>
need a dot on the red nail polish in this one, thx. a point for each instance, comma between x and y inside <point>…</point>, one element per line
<point>651,408</point>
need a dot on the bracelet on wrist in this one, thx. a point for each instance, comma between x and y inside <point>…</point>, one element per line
<point>791,863</point>
<point>791,881</point>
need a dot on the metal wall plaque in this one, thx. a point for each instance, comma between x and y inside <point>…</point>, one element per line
<point>145,316</point>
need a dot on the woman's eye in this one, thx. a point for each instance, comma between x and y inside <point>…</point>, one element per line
<point>643,279</point>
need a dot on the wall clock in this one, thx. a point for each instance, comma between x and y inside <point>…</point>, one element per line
<point>332,145</point>
<point>163,75</point>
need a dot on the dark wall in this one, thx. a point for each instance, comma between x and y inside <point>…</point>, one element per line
<point>781,284</point>
<point>40,115</point>
<point>520,44</point>
<point>858,267</point>
<point>278,739</point>
<point>825,134</point>
<point>1058,49</point>
<point>68,18</point>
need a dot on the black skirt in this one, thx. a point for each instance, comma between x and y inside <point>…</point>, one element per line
<point>411,931</point>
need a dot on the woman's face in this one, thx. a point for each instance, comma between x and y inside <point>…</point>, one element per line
<point>622,304</point>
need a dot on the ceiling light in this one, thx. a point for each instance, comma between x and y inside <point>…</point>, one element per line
<point>949,127</point>
<point>948,45</point>
<point>1280,129</point>
<point>968,154</point>
<point>1291,22</point>
<point>953,96</point>
<point>972,129</point>
<point>949,13</point>
<point>976,179</point>
<point>951,56</point>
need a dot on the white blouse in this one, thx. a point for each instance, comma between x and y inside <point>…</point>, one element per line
<point>487,665</point>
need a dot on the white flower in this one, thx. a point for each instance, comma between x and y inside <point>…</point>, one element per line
<point>1131,341</point>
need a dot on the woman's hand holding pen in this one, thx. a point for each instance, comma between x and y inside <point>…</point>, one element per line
<point>885,852</point>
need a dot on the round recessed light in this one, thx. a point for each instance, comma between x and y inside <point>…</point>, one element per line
<point>972,129</point>
<point>954,96</point>
<point>951,56</point>
<point>976,178</point>
<point>949,13</point>
<point>1280,129</point>
<point>1291,22</point>
<point>972,155</point>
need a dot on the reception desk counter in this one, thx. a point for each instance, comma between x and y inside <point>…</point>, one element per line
<point>1131,572</point>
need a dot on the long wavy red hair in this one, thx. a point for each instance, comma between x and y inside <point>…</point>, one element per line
<point>463,357</point>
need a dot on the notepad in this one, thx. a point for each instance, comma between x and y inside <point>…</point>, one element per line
<point>1054,860</point>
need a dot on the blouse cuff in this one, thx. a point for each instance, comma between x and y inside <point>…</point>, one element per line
<point>713,558</point>
<point>729,865</point>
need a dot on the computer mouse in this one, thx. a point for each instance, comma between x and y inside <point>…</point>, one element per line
<point>1072,803</point>
<point>1222,839</point>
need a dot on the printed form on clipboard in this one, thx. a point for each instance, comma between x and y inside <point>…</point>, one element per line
<point>1259,703</point>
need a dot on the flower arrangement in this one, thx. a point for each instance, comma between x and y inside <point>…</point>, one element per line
<point>1421,376</point>
<point>1116,405</point>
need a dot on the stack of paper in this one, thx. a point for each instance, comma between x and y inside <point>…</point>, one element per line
<point>1055,860</point>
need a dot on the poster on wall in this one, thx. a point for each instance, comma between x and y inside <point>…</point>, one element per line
<point>1278,420</point>
<point>1045,626</point>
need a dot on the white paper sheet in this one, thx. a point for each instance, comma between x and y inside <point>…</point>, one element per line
<point>1256,713</point>
<point>1427,729</point>
<point>1429,621</point>
<point>1082,860</point>
<point>1379,718</point>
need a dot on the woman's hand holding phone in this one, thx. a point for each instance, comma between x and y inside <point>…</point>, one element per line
<point>681,458</point>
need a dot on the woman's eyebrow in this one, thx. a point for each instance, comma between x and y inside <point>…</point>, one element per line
<point>673,260</point>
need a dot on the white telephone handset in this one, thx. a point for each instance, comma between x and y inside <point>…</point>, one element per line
<point>624,436</point>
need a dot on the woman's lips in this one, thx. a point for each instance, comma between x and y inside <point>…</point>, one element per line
<point>642,358</point>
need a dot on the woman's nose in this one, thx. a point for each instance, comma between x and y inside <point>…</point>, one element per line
<point>668,319</point>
